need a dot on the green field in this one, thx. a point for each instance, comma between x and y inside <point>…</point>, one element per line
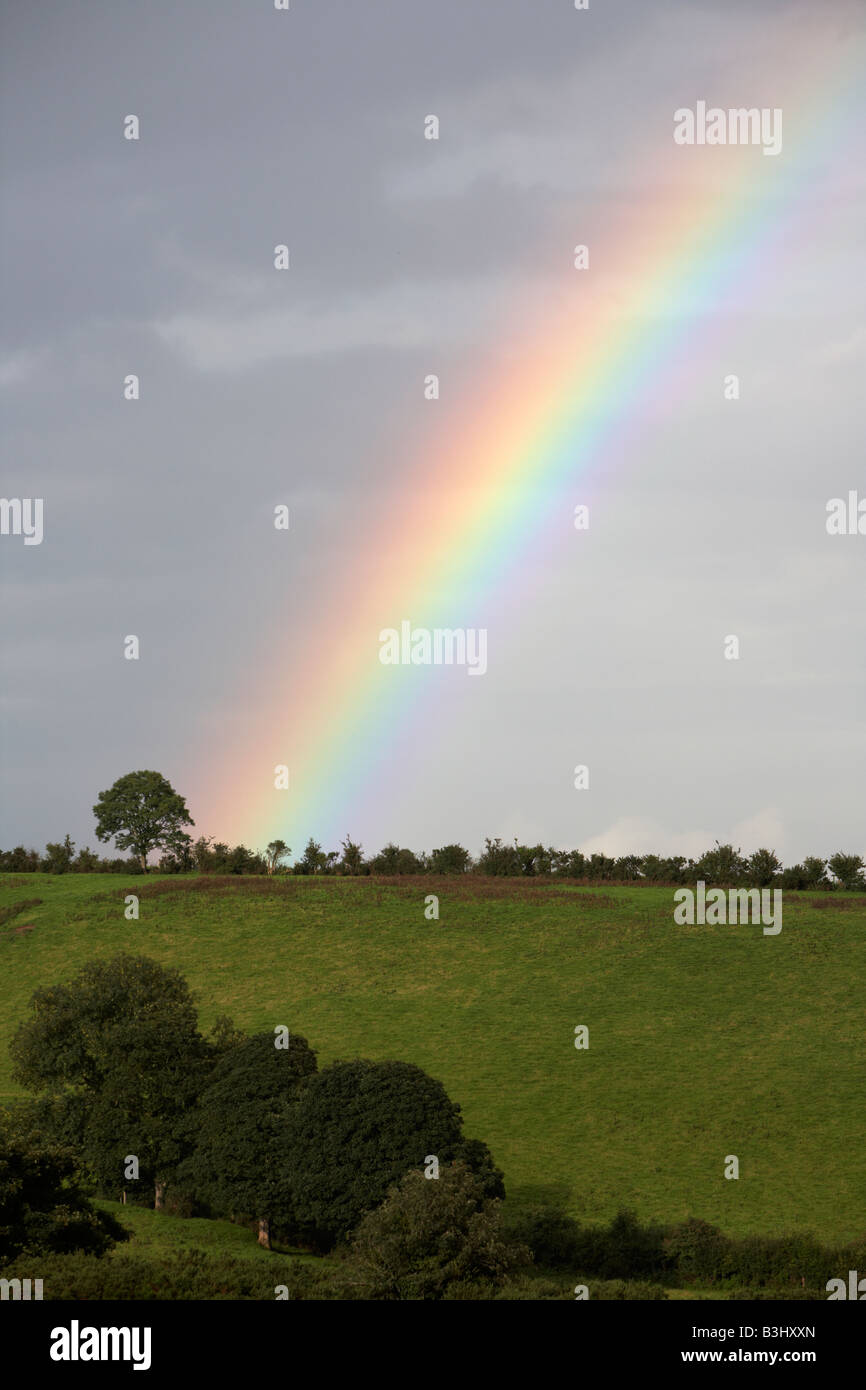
<point>704,1041</point>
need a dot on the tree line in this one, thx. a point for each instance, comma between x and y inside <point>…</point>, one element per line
<point>723,864</point>
<point>143,814</point>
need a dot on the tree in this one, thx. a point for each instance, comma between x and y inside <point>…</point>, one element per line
<point>763,867</point>
<point>394,860</point>
<point>721,866</point>
<point>629,867</point>
<point>42,1210</point>
<point>352,859</point>
<point>314,860</point>
<point>178,856</point>
<point>430,1233</point>
<point>86,861</point>
<point>356,1128</point>
<point>276,850</point>
<point>450,859</point>
<point>499,859</point>
<point>601,867</point>
<point>815,870</point>
<point>848,869</point>
<point>239,1162</point>
<point>201,853</point>
<point>58,857</point>
<point>141,812</point>
<point>120,1057</point>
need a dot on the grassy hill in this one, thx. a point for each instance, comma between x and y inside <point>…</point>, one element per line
<point>704,1041</point>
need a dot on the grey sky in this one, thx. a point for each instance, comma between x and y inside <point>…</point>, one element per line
<point>155,257</point>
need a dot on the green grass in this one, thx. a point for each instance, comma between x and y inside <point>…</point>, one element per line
<point>158,1233</point>
<point>704,1041</point>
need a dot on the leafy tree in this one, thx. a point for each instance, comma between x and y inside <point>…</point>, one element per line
<point>358,1127</point>
<point>450,859</point>
<point>794,878</point>
<point>499,859</point>
<point>574,865</point>
<point>41,1208</point>
<point>21,861</point>
<point>816,872</point>
<point>313,861</point>
<point>86,862</point>
<point>245,861</point>
<point>393,860</point>
<point>276,850</point>
<point>239,1164</point>
<point>178,856</point>
<point>763,867</point>
<point>120,1057</point>
<point>141,812</point>
<point>431,1233</point>
<point>848,869</point>
<point>58,857</point>
<point>723,866</point>
<point>601,868</point>
<point>629,867</point>
<point>352,859</point>
<point>201,853</point>
<point>653,868</point>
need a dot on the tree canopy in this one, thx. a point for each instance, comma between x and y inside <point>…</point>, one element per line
<point>42,1209</point>
<point>239,1163</point>
<point>142,812</point>
<point>120,1056</point>
<point>356,1129</point>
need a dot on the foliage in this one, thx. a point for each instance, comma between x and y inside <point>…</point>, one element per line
<point>430,1233</point>
<point>142,812</point>
<point>239,1162</point>
<point>357,1128</point>
<point>41,1207</point>
<point>119,1053</point>
<point>848,870</point>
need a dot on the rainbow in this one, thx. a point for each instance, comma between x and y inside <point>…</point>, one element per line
<point>505,476</point>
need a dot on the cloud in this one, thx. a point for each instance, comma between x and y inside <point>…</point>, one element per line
<point>17,367</point>
<point>400,315</point>
<point>636,835</point>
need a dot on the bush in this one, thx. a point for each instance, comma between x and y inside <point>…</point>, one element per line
<point>186,1275</point>
<point>623,1250</point>
<point>697,1249</point>
<point>553,1237</point>
<point>42,1210</point>
<point>429,1234</point>
<point>619,1289</point>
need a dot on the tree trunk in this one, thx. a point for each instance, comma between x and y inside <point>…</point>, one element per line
<point>159,1196</point>
<point>143,858</point>
<point>264,1233</point>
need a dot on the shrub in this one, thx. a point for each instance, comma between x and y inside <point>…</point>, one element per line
<point>41,1208</point>
<point>553,1237</point>
<point>429,1234</point>
<point>185,1275</point>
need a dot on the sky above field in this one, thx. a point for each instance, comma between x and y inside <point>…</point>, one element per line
<point>308,387</point>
